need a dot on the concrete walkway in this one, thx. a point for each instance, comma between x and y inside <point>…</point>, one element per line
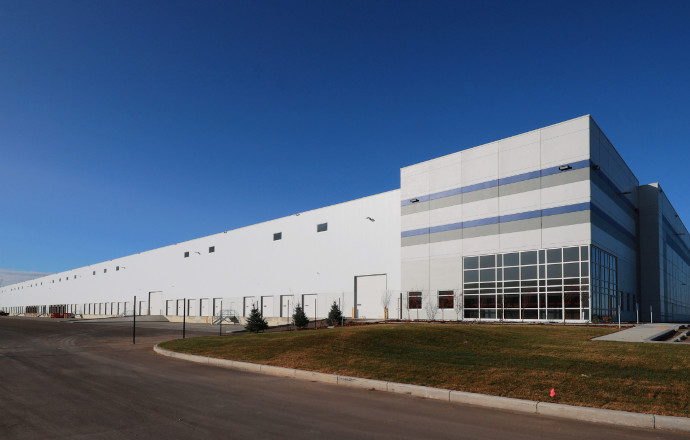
<point>643,333</point>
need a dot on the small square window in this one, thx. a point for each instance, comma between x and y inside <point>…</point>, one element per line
<point>105,270</point>
<point>117,268</point>
<point>322,227</point>
<point>445,299</point>
<point>414,300</point>
<point>186,254</point>
<point>277,236</point>
<point>94,272</point>
<point>211,249</point>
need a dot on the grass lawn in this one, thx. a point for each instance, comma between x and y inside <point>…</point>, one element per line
<point>521,361</point>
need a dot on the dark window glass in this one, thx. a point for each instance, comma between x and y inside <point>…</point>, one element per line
<point>529,272</point>
<point>471,314</point>
<point>553,255</point>
<point>471,301</point>
<point>511,259</point>
<point>528,257</point>
<point>554,300</point>
<point>511,274</point>
<point>414,300</point>
<point>211,249</point>
<point>511,301</point>
<point>554,314</point>
<point>94,272</point>
<point>116,268</point>
<point>471,276</point>
<point>511,283</point>
<point>529,314</point>
<point>585,268</point>
<point>105,270</point>
<point>277,236</point>
<point>471,285</point>
<point>499,260</point>
<point>488,313</point>
<point>542,257</point>
<point>487,275</point>
<point>322,227</point>
<point>530,283</point>
<point>487,261</point>
<point>554,271</point>
<point>571,270</point>
<point>571,254</point>
<point>445,299</point>
<point>511,314</point>
<point>529,301</point>
<point>572,314</point>
<point>488,301</point>
<point>186,254</point>
<point>471,262</point>
<point>583,252</point>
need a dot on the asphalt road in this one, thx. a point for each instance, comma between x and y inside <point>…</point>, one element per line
<point>87,381</point>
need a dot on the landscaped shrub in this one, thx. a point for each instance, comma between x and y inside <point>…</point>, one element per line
<point>256,322</point>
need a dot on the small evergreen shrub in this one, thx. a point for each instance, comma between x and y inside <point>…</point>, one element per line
<point>299,318</point>
<point>256,322</point>
<point>334,315</point>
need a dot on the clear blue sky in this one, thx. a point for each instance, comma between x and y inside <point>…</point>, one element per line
<point>130,125</point>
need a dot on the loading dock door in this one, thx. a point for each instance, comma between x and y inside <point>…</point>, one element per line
<point>204,306</point>
<point>217,306</point>
<point>267,306</point>
<point>310,305</point>
<point>180,307</point>
<point>249,302</point>
<point>368,292</point>
<point>287,305</point>
<point>170,307</point>
<point>192,307</point>
<point>155,303</point>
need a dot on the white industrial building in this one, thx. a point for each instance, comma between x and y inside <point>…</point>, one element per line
<point>549,225</point>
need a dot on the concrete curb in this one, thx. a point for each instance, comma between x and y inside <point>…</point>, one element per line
<point>595,415</point>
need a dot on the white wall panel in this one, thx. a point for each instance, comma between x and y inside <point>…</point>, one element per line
<point>519,154</point>
<point>246,261</point>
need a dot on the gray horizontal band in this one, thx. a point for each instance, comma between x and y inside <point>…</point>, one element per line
<point>549,181</point>
<point>611,230</point>
<point>618,199</point>
<point>552,221</point>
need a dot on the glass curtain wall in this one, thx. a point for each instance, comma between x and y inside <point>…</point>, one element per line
<point>604,285</point>
<point>545,284</point>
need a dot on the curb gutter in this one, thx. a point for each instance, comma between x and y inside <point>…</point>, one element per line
<point>596,415</point>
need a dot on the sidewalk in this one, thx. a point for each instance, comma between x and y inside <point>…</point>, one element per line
<point>642,333</point>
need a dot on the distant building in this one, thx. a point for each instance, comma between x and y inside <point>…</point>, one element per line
<point>549,225</point>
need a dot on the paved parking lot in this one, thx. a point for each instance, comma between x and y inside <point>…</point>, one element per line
<point>86,380</point>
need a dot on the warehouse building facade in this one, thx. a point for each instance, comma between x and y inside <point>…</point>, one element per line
<point>549,225</point>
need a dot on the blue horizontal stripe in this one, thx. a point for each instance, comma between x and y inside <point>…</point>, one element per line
<point>601,213</point>
<point>502,219</point>
<point>497,182</point>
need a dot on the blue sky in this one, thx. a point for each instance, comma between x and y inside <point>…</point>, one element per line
<point>130,125</point>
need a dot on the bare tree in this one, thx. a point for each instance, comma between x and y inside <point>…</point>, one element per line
<point>457,304</point>
<point>431,308</point>
<point>386,297</point>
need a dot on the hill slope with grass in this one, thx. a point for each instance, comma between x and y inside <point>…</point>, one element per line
<point>520,361</point>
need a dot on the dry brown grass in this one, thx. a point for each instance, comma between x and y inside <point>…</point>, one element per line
<point>520,361</point>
